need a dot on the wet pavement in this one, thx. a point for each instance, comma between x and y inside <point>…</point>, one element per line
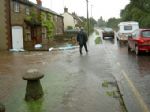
<point>132,73</point>
<point>71,83</point>
<point>77,83</point>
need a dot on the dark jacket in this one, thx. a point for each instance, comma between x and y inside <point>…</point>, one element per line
<point>82,37</point>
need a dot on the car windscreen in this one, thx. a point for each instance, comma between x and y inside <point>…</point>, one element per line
<point>108,29</point>
<point>146,34</point>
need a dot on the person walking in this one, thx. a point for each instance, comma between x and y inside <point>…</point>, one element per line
<point>82,39</point>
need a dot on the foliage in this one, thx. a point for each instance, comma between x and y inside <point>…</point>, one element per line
<point>48,23</point>
<point>96,32</point>
<point>101,22</point>
<point>69,27</point>
<point>113,23</point>
<point>98,40</point>
<point>33,18</point>
<point>137,10</point>
<point>92,23</point>
<point>83,18</point>
<point>105,84</point>
<point>45,20</point>
<point>91,27</point>
<point>142,4</point>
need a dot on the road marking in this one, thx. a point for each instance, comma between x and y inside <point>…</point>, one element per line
<point>136,93</point>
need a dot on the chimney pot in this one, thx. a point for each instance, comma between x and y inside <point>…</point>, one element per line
<point>39,2</point>
<point>65,9</point>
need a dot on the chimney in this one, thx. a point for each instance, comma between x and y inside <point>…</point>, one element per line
<point>39,2</point>
<point>65,9</point>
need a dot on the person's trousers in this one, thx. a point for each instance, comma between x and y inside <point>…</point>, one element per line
<point>85,46</point>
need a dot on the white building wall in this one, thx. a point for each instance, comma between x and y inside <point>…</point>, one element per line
<point>68,20</point>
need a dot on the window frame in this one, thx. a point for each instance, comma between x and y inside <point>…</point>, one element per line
<point>128,27</point>
<point>27,10</point>
<point>16,6</point>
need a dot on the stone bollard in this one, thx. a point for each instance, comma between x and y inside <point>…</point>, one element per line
<point>34,89</point>
<point>2,108</point>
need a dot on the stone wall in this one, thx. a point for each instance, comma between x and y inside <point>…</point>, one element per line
<point>60,25</point>
<point>4,25</point>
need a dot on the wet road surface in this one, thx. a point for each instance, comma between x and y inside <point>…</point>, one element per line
<point>133,74</point>
<point>73,83</point>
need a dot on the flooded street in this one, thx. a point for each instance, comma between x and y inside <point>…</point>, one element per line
<point>78,83</point>
<point>132,73</point>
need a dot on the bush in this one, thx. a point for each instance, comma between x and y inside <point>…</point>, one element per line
<point>69,27</point>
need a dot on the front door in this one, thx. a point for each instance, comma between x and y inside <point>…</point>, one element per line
<point>17,37</point>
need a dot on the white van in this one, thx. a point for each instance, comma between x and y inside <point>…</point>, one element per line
<point>126,28</point>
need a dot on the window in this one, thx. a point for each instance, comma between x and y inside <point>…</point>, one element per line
<point>135,34</point>
<point>28,36</point>
<point>27,11</point>
<point>146,34</point>
<point>16,7</point>
<point>128,27</point>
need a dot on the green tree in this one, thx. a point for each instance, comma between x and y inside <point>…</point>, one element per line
<point>142,4</point>
<point>137,10</point>
<point>93,22</point>
<point>101,22</point>
<point>113,23</point>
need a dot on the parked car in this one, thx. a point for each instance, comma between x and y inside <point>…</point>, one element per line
<point>125,28</point>
<point>139,41</point>
<point>108,32</point>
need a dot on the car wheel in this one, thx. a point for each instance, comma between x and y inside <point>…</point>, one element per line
<point>137,52</point>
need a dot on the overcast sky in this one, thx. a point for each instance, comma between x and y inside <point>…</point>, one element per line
<point>97,8</point>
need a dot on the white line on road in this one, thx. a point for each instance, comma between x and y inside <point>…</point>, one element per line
<point>136,93</point>
<point>144,106</point>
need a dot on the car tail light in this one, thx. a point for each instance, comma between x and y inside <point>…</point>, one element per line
<point>141,41</point>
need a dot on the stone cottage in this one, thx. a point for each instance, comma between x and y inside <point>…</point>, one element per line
<point>26,18</point>
<point>22,25</point>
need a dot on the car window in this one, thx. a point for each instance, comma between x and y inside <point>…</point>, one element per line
<point>135,34</point>
<point>128,27</point>
<point>146,34</point>
<point>108,29</point>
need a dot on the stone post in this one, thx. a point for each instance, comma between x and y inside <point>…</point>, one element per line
<point>2,108</point>
<point>34,89</point>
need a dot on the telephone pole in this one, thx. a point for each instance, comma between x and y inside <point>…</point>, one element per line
<point>87,5</point>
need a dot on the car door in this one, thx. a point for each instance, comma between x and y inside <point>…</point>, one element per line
<point>131,40</point>
<point>134,39</point>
